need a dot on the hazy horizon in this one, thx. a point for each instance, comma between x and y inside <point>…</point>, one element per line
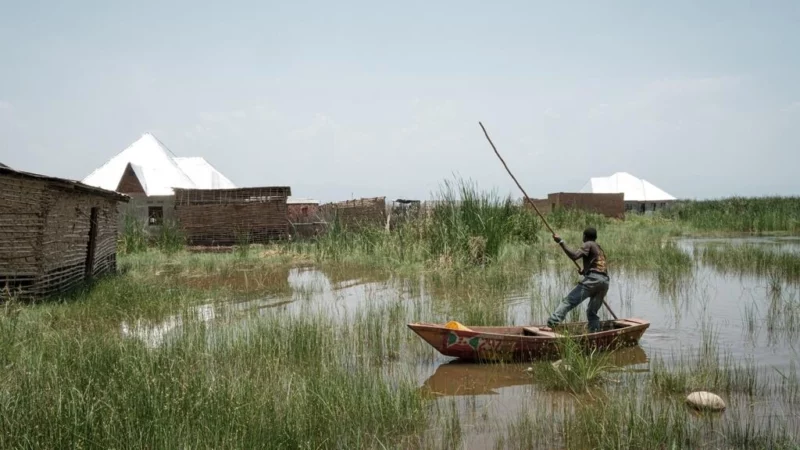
<point>363,100</point>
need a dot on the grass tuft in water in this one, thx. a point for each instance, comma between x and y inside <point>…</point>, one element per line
<point>578,370</point>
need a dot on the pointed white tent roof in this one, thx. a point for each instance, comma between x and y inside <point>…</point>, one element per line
<point>158,169</point>
<point>203,174</point>
<point>635,189</point>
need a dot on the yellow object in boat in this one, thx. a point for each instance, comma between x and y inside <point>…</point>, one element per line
<point>453,325</point>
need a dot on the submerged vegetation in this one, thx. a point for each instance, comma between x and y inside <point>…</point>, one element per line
<point>305,344</point>
<point>577,371</point>
<point>283,381</point>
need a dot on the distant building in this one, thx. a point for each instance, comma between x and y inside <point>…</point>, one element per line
<point>609,205</point>
<point>54,233</point>
<point>639,195</point>
<point>148,171</point>
<point>302,210</point>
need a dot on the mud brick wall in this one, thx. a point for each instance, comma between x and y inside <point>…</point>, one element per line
<point>356,214</point>
<point>542,205</point>
<point>609,205</point>
<point>303,212</point>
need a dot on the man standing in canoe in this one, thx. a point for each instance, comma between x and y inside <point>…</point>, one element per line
<point>594,284</point>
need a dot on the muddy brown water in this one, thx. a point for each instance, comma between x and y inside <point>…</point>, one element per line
<point>746,313</point>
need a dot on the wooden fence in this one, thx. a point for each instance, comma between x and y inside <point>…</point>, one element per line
<point>231,216</point>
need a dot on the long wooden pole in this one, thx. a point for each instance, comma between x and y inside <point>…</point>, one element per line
<point>531,202</point>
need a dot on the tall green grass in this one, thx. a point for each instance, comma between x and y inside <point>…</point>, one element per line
<point>465,227</point>
<point>136,237</point>
<point>133,238</point>
<point>740,214</point>
<point>471,226</point>
<point>752,260</point>
<point>71,381</point>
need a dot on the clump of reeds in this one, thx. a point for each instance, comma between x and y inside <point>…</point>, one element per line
<point>134,238</point>
<point>170,238</point>
<point>470,226</point>
<point>578,370</point>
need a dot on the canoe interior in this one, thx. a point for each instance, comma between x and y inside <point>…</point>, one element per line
<point>572,328</point>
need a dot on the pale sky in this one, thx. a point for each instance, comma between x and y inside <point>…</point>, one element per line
<point>365,98</point>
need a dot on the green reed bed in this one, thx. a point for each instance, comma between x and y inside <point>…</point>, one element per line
<point>737,214</point>
<point>464,228</point>
<point>281,382</point>
<point>754,260</point>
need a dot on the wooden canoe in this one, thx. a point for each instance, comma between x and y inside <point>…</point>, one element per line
<point>525,342</point>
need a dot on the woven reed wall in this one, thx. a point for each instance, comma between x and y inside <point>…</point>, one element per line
<point>45,249</point>
<point>21,223</point>
<point>66,237</point>
<point>230,216</point>
<point>224,196</point>
<point>356,214</point>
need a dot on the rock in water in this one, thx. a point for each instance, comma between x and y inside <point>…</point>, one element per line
<point>705,401</point>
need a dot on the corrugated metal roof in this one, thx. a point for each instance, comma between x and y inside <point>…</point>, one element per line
<point>635,189</point>
<point>158,169</point>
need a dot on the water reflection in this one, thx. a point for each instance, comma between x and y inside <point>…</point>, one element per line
<point>457,378</point>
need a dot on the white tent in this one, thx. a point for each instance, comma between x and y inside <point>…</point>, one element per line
<point>203,174</point>
<point>158,170</point>
<point>635,189</point>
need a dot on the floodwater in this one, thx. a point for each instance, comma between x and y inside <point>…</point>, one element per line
<point>750,317</point>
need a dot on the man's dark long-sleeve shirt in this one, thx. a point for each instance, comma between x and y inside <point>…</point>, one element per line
<point>594,259</point>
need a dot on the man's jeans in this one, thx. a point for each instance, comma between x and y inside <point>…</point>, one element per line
<point>593,286</point>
